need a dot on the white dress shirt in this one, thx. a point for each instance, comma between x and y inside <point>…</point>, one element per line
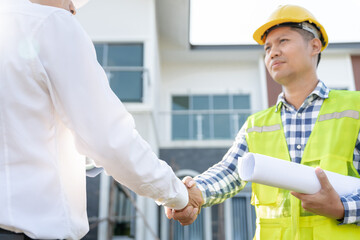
<point>55,102</point>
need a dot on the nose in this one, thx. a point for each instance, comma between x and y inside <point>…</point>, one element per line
<point>274,51</point>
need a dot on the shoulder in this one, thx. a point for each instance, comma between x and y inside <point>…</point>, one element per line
<point>344,95</point>
<point>263,113</point>
<point>34,11</point>
<point>32,17</point>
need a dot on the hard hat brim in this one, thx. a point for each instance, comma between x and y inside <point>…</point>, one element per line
<point>259,33</point>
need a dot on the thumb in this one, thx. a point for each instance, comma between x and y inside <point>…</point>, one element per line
<point>169,212</point>
<point>189,182</point>
<point>324,181</point>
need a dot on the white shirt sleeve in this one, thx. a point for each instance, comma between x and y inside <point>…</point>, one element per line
<point>102,127</point>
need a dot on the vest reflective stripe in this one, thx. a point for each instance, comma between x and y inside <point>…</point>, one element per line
<point>330,146</point>
<point>337,115</point>
<point>264,128</point>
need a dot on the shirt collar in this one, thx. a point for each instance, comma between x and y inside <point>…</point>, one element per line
<point>321,91</point>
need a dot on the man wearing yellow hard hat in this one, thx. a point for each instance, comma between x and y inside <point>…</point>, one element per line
<point>318,127</point>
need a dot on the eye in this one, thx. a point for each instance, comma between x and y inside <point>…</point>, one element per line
<point>267,48</point>
<point>283,40</point>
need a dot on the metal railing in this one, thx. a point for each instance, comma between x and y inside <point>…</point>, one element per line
<point>201,125</point>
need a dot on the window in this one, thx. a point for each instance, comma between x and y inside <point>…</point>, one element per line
<point>123,64</point>
<point>244,216</point>
<point>122,212</point>
<point>207,117</point>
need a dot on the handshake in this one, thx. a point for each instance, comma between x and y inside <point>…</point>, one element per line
<point>189,214</point>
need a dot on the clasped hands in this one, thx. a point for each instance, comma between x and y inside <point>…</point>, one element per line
<point>189,214</point>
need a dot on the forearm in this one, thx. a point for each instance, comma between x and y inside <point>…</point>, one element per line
<point>220,190</point>
<point>222,180</point>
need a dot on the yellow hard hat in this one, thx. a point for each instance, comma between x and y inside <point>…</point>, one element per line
<point>290,14</point>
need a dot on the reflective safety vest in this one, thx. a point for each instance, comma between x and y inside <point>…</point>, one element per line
<point>330,146</point>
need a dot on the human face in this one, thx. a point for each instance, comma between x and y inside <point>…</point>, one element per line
<point>65,4</point>
<point>288,56</point>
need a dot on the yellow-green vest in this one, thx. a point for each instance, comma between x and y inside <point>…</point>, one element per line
<point>330,145</point>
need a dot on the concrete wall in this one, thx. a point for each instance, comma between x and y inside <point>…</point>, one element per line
<point>335,70</point>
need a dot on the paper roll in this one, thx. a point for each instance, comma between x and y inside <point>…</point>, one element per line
<point>291,176</point>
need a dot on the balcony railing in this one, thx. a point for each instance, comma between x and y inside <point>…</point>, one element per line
<point>200,125</point>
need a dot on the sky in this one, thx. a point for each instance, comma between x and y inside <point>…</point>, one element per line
<point>226,22</point>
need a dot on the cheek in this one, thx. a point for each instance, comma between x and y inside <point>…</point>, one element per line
<point>267,61</point>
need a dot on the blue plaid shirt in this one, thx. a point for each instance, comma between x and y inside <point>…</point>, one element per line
<point>222,180</point>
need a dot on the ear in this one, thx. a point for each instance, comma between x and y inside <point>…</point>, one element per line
<point>316,46</point>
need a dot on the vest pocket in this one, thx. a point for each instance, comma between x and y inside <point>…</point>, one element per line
<point>330,230</point>
<point>330,162</point>
<point>263,195</point>
<point>268,232</point>
<point>334,163</point>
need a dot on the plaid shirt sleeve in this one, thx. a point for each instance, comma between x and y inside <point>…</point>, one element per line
<point>351,202</point>
<point>222,180</point>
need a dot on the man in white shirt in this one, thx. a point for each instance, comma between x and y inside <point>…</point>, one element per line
<point>54,96</point>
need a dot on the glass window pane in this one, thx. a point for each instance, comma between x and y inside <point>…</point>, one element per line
<point>221,102</point>
<point>217,221</point>
<point>99,48</point>
<point>124,209</point>
<point>127,86</point>
<point>180,126</point>
<point>242,118</point>
<point>125,55</point>
<point>206,126</point>
<point>241,101</point>
<point>200,102</point>
<point>180,103</point>
<point>222,126</point>
<point>239,218</point>
<point>243,218</point>
<point>202,120</point>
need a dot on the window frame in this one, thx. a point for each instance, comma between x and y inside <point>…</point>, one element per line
<point>145,75</point>
<point>195,117</point>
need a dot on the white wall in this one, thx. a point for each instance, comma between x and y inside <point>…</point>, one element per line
<point>209,78</point>
<point>335,70</point>
<point>118,19</point>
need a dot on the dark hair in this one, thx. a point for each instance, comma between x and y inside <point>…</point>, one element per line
<point>307,37</point>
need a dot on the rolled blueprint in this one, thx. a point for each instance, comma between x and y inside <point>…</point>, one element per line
<point>291,176</point>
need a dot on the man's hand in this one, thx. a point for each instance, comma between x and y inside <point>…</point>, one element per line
<point>326,202</point>
<point>189,214</point>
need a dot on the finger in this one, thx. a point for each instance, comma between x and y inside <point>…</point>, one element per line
<point>184,214</point>
<point>189,181</point>
<point>297,195</point>
<point>324,181</point>
<point>191,218</point>
<point>168,213</point>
